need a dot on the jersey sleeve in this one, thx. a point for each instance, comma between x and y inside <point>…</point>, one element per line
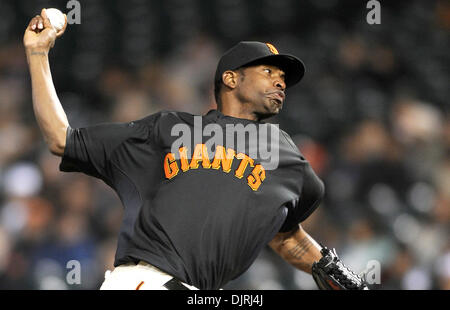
<point>311,194</point>
<point>301,208</point>
<point>89,149</point>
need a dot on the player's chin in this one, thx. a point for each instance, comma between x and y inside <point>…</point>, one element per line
<point>275,106</point>
<point>270,109</point>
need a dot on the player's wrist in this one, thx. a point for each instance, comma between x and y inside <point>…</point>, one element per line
<point>39,47</point>
<point>36,53</point>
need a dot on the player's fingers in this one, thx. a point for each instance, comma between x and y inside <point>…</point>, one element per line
<point>36,23</point>
<point>46,21</point>
<point>60,33</point>
<point>33,23</point>
<point>39,24</point>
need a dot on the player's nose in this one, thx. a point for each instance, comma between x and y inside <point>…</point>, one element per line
<point>279,84</point>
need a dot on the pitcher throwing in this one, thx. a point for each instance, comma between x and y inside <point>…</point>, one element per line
<point>197,216</point>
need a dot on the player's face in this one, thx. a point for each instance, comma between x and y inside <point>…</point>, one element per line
<point>261,88</point>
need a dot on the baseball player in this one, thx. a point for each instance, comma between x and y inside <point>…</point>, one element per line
<point>197,215</point>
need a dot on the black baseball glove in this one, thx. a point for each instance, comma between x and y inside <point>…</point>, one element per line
<point>330,274</point>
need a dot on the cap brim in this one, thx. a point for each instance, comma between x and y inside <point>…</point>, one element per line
<point>291,65</point>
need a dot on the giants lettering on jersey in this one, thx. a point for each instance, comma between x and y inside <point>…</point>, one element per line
<point>222,159</point>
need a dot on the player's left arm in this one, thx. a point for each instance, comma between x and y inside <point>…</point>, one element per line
<point>303,252</point>
<point>297,247</point>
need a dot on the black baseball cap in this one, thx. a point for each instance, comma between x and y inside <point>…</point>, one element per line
<point>247,53</point>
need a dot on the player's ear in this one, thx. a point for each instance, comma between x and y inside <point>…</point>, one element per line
<point>229,78</point>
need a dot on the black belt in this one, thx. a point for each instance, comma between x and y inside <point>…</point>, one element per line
<point>175,284</point>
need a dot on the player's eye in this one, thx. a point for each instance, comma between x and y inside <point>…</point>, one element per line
<point>267,70</point>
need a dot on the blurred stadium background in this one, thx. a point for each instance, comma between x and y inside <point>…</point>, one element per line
<point>371,114</point>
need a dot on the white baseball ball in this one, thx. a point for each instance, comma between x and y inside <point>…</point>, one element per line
<point>56,18</point>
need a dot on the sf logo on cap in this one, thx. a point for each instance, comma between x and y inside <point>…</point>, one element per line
<point>272,48</point>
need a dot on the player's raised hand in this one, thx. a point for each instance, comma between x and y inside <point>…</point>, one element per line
<point>40,34</point>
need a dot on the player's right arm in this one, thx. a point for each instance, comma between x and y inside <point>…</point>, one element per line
<point>39,38</point>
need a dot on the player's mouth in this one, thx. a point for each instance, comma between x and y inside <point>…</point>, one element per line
<point>277,95</point>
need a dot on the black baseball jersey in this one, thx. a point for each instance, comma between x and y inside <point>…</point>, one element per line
<point>201,211</point>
